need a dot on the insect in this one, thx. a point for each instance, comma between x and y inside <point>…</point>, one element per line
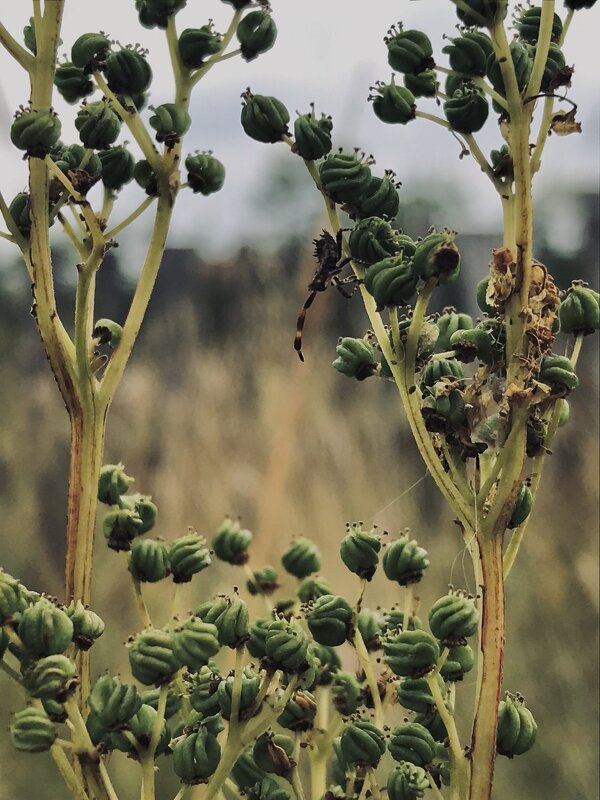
<point>328,252</point>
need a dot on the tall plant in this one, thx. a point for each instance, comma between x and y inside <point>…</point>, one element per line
<point>261,707</point>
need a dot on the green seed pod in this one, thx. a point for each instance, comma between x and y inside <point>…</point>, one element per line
<point>536,434</point>
<point>329,663</point>
<point>29,36</point>
<point>32,731</point>
<point>238,4</point>
<point>356,358</point>
<point>156,13</point>
<point>564,412</point>
<point>467,110</point>
<point>438,370</point>
<point>482,13</point>
<point>35,130</point>
<point>206,174</point>
<point>87,626</point>
<point>425,84</point>
<point>523,64</point>
<point>362,744</point>
<point>264,581</point>
<point>196,757</point>
<point>413,743</point>
<point>197,44</point>
<point>391,281</point>
<point>460,660</point>
<point>144,176</point>
<point>19,209</point>
<point>528,25</point>
<point>188,555</point>
<point>196,642</point>
<point>68,159</point>
<point>302,558</point>
<point>312,135</point>
<point>517,728</point>
<point>404,561</point>
<point>454,83</point>
<point>13,598</point>
<point>503,168</point>
<point>436,256</point>
<point>143,507</point>
<point>246,772</point>
<point>128,72</point>
<point>393,104</point>
<point>113,483</point>
<point>90,50</point>
<point>267,789</point>
<point>98,125</point>
<point>264,118</point>
<point>4,640</point>
<point>345,177</point>
<point>72,82</point>
<point>117,167</point>
<point>313,587</point>
<point>113,703</point>
<point>468,54</point>
<point>151,696</point>
<point>556,72</point>
<point>445,412</point>
<point>107,332</point>
<point>120,527</point>
<point>453,618</point>
<point>258,634</point>
<point>522,508</point>
<point>393,620</point>
<point>448,323</point>
<point>329,620</point>
<point>407,782</point>
<point>558,373</point>
<point>149,560</point>
<point>250,688</point>
<point>256,33</point>
<point>230,543</point>
<point>579,312</point>
<point>44,629</point>
<point>299,714</point>
<point>433,722</point>
<point>286,646</point>
<point>170,121</point>
<point>373,239</point>
<point>411,654</point>
<point>475,343</point>
<point>380,198</point>
<point>230,616</point>
<point>273,753</point>
<point>370,626</point>
<point>347,693</point>
<point>203,685</point>
<point>153,658</point>
<point>55,710</point>
<point>141,725</point>
<point>578,5</point>
<point>51,678</point>
<point>359,550</point>
<point>409,51</point>
<point>414,694</point>
<point>338,768</point>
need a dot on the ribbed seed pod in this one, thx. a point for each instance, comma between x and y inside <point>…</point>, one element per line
<point>267,789</point>
<point>415,694</point>
<point>436,256</point>
<point>559,373</point>
<point>393,621</point>
<point>151,697</point>
<point>476,343</point>
<point>345,177</point>
<point>35,130</point>
<point>98,125</point>
<point>391,281</point>
<point>89,51</point>
<point>230,616</point>
<point>264,118</point>
<point>51,678</point>
<point>482,12</point>
<point>13,598</point>
<point>299,714</point>
<point>437,370</point>
<point>467,110</point>
<point>19,209</point>
<point>413,743</point>
<point>425,84</point>
<point>453,618</point>
<point>196,757</point>
<point>144,176</point>
<point>113,703</point>
<point>445,412</point>
<point>127,71</point>
<point>246,772</point>
<point>579,312</point>
<point>393,104</point>
<point>196,643</point>
<point>380,198</point>
<point>312,135</point>
<point>523,64</point>
<point>273,752</point>
<point>203,685</point>
<point>433,722</point>
<point>411,654</point>
<point>141,725</point>
<point>407,782</point>
<point>188,555</point>
<point>522,508</point>
<point>578,5</point>
<point>170,121</point>
<point>250,687</point>
<point>45,629</point>
<point>230,543</point>
<point>404,561</point>
<point>256,641</point>
<point>286,645</point>
<point>206,174</point>
<point>448,323</point>
<point>329,620</point>
<point>144,509</point>
<point>460,660</point>
<point>468,54</point>
<point>362,744</point>
<point>517,728</point>
<point>556,73</point>
<point>370,625</point>
<point>120,527</point>
<point>355,358</point>
<point>373,239</point>
<point>87,626</point>
<point>409,51</point>
<point>528,25</point>
<point>152,657</point>
<point>256,33</point>
<point>32,731</point>
<point>29,36</point>
<point>359,550</point>
<point>113,483</point>
<point>312,587</point>
<point>149,560</point>
<point>264,581</point>
<point>302,558</point>
<point>72,82</point>
<point>328,663</point>
<point>198,44</point>
<point>347,693</point>
<point>503,168</point>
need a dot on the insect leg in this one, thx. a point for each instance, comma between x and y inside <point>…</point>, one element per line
<point>300,324</point>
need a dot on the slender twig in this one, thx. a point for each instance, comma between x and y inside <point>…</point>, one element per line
<point>131,218</point>
<point>67,772</point>
<point>17,51</point>
<point>219,55</point>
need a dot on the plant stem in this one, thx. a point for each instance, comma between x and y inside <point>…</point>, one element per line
<point>367,667</point>
<point>147,758</point>
<point>139,600</point>
<point>17,51</point>
<point>236,691</point>
<point>131,218</point>
<point>68,773</point>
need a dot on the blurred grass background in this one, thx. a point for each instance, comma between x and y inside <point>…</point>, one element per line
<point>216,415</point>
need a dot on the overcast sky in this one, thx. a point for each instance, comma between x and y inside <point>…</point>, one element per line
<point>329,51</point>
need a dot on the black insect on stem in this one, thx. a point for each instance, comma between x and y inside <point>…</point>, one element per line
<point>328,252</point>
